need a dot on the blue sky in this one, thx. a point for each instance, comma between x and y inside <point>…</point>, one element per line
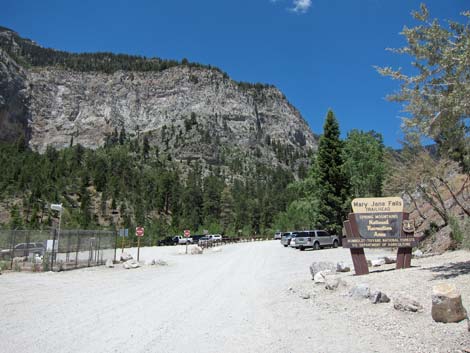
<point>320,53</point>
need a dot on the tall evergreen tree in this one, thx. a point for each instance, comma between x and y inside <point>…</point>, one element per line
<point>332,183</point>
<point>16,221</point>
<point>364,164</point>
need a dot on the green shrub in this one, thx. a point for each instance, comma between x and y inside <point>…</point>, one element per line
<point>46,262</point>
<point>16,267</point>
<point>3,265</point>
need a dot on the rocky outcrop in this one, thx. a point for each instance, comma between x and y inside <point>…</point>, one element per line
<point>188,112</point>
<point>14,100</point>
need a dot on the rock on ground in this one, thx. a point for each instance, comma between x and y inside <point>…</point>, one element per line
<point>406,303</point>
<point>109,263</point>
<point>360,291</point>
<point>320,277</point>
<point>197,250</point>
<point>447,304</point>
<point>379,297</point>
<point>418,253</point>
<point>390,259</point>
<point>316,267</point>
<point>378,262</point>
<point>130,264</point>
<point>333,282</point>
<point>126,257</point>
<point>342,267</point>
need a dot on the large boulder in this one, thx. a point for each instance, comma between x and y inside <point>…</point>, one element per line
<point>447,304</point>
<point>323,266</point>
<point>130,264</point>
<point>197,250</point>
<point>126,257</point>
<point>406,303</point>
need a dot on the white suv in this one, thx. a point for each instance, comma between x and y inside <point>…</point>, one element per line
<point>315,239</point>
<point>215,237</point>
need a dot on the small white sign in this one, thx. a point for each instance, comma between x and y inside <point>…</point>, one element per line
<point>49,244</point>
<point>56,207</point>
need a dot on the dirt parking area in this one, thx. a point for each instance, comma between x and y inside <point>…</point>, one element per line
<point>248,297</point>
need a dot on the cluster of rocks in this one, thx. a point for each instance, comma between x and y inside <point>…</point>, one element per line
<point>128,262</point>
<point>446,300</point>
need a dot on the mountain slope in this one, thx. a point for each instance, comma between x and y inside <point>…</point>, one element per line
<point>188,111</point>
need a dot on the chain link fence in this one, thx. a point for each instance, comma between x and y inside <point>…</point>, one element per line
<point>51,250</point>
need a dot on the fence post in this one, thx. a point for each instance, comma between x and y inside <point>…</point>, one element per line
<point>12,240</point>
<point>53,249</point>
<point>115,243</point>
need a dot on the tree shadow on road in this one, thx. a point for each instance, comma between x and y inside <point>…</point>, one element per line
<point>451,270</point>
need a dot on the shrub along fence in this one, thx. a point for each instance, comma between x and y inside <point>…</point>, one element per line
<point>51,250</point>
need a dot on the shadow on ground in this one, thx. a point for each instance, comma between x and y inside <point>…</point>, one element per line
<point>450,270</point>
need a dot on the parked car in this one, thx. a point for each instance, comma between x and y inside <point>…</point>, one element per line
<point>23,249</point>
<point>277,235</point>
<point>315,239</point>
<point>286,238</point>
<point>205,241</point>
<point>196,237</point>
<point>166,241</point>
<point>179,239</point>
<point>215,237</point>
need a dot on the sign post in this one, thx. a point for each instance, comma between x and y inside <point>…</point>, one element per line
<point>187,234</point>
<point>139,232</point>
<point>379,223</point>
<point>123,233</point>
<point>56,207</point>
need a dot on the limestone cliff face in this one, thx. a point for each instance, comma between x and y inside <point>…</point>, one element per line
<point>14,100</point>
<point>187,112</point>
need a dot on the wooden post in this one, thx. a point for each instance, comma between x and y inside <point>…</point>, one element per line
<point>404,254</point>
<point>358,255</point>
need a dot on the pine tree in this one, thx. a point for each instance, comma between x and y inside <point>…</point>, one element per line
<point>16,221</point>
<point>332,184</point>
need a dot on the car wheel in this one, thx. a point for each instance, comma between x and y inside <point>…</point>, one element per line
<point>285,245</point>
<point>335,244</point>
<point>316,246</point>
<point>302,248</point>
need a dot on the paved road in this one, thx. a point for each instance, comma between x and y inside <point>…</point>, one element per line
<point>236,300</point>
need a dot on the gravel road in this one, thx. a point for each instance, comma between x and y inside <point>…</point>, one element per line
<point>245,298</point>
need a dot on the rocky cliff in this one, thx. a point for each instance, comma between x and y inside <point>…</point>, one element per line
<point>14,100</point>
<point>190,112</point>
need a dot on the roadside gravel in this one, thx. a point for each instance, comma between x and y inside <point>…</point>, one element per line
<point>246,298</point>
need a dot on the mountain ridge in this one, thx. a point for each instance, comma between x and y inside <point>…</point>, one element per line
<point>186,110</point>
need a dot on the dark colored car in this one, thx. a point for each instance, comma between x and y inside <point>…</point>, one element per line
<point>23,249</point>
<point>197,237</point>
<point>166,241</point>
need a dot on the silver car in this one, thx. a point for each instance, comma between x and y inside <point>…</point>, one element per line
<point>285,238</point>
<point>315,239</point>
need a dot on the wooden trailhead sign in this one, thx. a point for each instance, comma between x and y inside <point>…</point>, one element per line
<point>379,223</point>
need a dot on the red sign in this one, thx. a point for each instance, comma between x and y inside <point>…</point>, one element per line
<point>139,231</point>
<point>187,233</point>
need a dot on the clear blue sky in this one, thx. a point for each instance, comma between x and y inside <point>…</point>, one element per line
<point>320,53</point>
